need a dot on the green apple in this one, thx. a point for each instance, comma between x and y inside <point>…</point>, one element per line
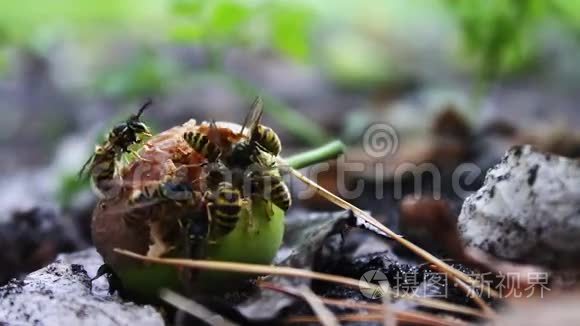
<point>255,240</point>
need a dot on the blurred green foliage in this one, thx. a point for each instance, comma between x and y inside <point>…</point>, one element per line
<point>363,44</point>
<point>351,39</point>
<point>24,20</point>
<point>356,61</point>
<point>70,185</point>
<point>283,25</point>
<point>145,73</point>
<point>500,36</point>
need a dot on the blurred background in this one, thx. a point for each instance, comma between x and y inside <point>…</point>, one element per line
<point>460,81</point>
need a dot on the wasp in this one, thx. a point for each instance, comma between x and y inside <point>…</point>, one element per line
<point>261,135</point>
<point>201,143</point>
<point>267,138</point>
<point>217,173</point>
<point>130,132</point>
<point>262,140</point>
<point>103,164</point>
<point>278,192</point>
<point>267,183</point>
<point>224,208</point>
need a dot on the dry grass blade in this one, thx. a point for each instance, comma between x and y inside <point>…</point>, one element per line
<point>446,268</point>
<point>389,317</point>
<point>476,298</point>
<point>401,318</point>
<point>471,293</point>
<point>295,272</point>
<point>419,318</point>
<point>325,316</point>
<point>194,309</point>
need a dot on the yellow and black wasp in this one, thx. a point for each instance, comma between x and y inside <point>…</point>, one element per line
<point>262,140</point>
<point>257,157</point>
<point>269,185</point>
<point>102,166</point>
<point>265,181</point>
<point>260,134</point>
<point>201,143</point>
<point>224,208</point>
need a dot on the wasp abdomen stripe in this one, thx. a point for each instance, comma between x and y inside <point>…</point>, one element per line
<point>266,137</point>
<point>228,209</point>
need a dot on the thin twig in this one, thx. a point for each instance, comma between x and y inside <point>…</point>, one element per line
<point>389,317</point>
<point>446,268</point>
<point>417,317</point>
<point>193,308</point>
<point>401,317</point>
<point>470,292</point>
<point>326,317</point>
<point>295,272</point>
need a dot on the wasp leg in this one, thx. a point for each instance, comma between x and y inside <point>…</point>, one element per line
<point>247,204</point>
<point>197,235</point>
<point>269,209</point>
<point>178,192</point>
<point>139,157</point>
<point>115,284</point>
<point>211,237</point>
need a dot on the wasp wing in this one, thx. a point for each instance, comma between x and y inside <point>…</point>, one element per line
<point>253,117</point>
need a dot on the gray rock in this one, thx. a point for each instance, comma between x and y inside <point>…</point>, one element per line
<point>61,294</point>
<point>528,210</point>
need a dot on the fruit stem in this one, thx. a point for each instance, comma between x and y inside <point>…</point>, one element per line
<point>323,153</point>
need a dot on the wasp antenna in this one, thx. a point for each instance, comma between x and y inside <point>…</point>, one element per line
<point>143,107</point>
<point>82,171</point>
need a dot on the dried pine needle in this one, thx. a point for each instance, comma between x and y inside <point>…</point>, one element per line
<point>419,318</point>
<point>446,268</point>
<point>403,318</point>
<point>295,272</point>
<point>193,308</point>
<point>325,316</point>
